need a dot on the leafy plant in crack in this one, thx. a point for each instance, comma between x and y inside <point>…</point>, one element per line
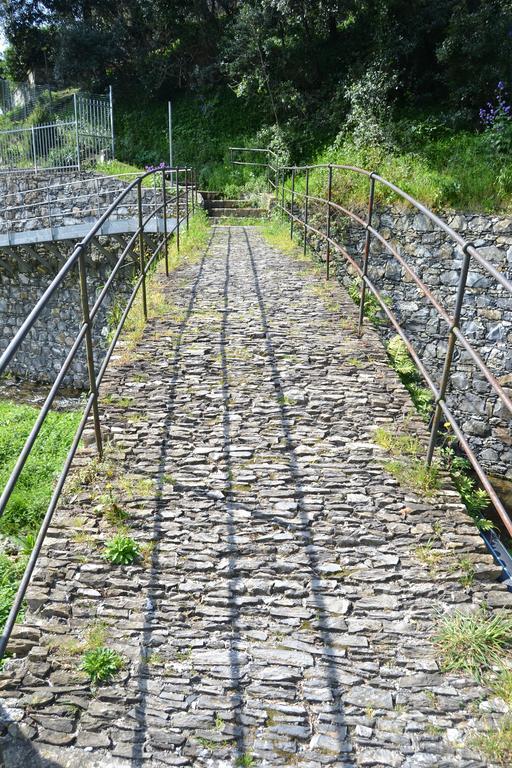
<point>101,664</point>
<point>121,550</point>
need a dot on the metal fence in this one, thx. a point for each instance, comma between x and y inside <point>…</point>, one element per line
<point>81,133</point>
<point>289,198</point>
<point>178,199</point>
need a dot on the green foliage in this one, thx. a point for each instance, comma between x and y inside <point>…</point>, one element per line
<point>409,376</point>
<point>11,570</point>
<point>475,499</point>
<point>396,444</point>
<point>496,743</point>
<point>372,309</point>
<point>473,642</point>
<point>33,490</point>
<point>121,550</point>
<point>370,112</point>
<point>416,475</point>
<point>101,664</point>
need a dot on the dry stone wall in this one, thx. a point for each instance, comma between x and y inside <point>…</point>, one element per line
<point>486,317</point>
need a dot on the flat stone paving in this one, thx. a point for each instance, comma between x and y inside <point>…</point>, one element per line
<point>282,614</point>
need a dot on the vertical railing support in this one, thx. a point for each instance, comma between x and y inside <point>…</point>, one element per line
<point>141,250</point>
<point>193,185</point>
<point>34,153</point>
<point>366,254</point>
<point>164,208</point>
<point>186,197</point>
<point>111,105</point>
<point>282,197</point>
<point>84,298</point>
<point>177,210</point>
<point>329,198</point>
<point>449,353</point>
<point>77,137</point>
<point>292,203</point>
<point>306,208</point>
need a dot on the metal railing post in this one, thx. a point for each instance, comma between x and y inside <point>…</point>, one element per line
<point>164,207</point>
<point>329,197</point>
<point>111,105</point>
<point>306,207</point>
<point>366,254</point>
<point>177,211</point>
<point>449,352</point>
<point>292,202</point>
<point>141,250</point>
<point>78,160</point>
<point>84,298</point>
<point>34,149</point>
<point>282,198</point>
<point>192,183</point>
<point>186,196</point>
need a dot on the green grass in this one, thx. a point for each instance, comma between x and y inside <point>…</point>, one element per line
<point>32,493</point>
<point>33,490</point>
<point>101,664</point>
<point>415,474</point>
<point>473,643</point>
<point>496,744</point>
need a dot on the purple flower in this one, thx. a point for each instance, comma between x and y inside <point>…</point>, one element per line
<point>501,85</point>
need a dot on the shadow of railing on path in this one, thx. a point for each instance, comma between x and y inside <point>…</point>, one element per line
<point>333,682</point>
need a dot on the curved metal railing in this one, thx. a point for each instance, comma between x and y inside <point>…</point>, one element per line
<point>178,197</point>
<point>282,179</point>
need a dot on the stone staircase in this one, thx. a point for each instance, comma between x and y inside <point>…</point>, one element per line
<point>222,211</point>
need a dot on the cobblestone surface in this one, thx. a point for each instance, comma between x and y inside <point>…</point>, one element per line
<point>281,614</point>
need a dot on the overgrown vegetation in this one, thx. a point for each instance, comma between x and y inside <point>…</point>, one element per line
<point>29,500</point>
<point>326,82</point>
<point>474,642</point>
<point>121,550</point>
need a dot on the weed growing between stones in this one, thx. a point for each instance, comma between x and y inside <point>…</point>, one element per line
<point>372,309</point>
<point>101,664</point>
<point>397,444</point>
<point>415,475</point>
<point>473,643</point>
<point>121,550</point>
<point>429,556</point>
<point>245,760</point>
<point>410,377</point>
<point>496,744</point>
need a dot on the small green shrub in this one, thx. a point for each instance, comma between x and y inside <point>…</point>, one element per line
<point>473,643</point>
<point>409,375</point>
<point>101,664</point>
<point>121,550</point>
<point>372,309</point>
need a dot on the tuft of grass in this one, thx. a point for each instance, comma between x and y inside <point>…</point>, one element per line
<point>101,664</point>
<point>415,474</point>
<point>121,550</point>
<point>245,760</point>
<point>474,642</point>
<point>397,444</point>
<point>496,743</point>
<point>502,685</point>
<point>429,556</point>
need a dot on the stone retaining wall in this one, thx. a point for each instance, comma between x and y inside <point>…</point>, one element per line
<point>486,317</point>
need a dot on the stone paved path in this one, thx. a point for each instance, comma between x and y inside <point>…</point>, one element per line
<point>282,615</point>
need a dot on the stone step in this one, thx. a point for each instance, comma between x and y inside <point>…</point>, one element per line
<point>220,203</point>
<point>252,213</point>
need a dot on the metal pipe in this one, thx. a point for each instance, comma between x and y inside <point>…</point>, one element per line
<point>177,211</point>
<point>366,255</point>
<point>292,203</point>
<point>111,105</point>
<point>186,197</point>
<point>329,198</point>
<point>84,299</point>
<point>141,251</point>
<point>164,203</point>
<point>78,159</point>
<point>306,206</point>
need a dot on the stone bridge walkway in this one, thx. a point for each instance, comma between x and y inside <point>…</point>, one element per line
<point>283,609</point>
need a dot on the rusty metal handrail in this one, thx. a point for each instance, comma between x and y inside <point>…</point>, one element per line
<point>469,252</point>
<point>184,185</point>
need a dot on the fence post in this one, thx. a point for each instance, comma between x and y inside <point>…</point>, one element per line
<point>193,185</point>
<point>34,148</point>
<point>292,203</point>
<point>186,196</point>
<point>76,133</point>
<point>89,351</point>
<point>141,250</point>
<point>329,197</point>
<point>306,206</point>
<point>449,352</point>
<point>111,103</point>
<point>177,211</point>
<point>282,199</point>
<point>366,255</point>
<point>164,206</point>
